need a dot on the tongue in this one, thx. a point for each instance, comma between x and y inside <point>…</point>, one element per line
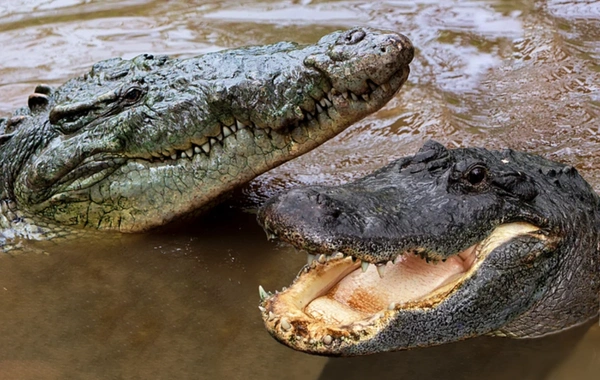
<point>360,295</point>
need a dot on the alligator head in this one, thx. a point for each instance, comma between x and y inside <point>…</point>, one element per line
<point>135,144</point>
<point>435,248</point>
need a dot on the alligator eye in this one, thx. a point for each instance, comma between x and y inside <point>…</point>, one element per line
<point>476,175</point>
<point>133,95</point>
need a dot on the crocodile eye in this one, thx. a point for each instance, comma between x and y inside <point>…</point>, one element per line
<point>476,175</point>
<point>133,95</point>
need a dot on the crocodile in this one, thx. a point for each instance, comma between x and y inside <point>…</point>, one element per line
<point>135,144</point>
<point>437,247</point>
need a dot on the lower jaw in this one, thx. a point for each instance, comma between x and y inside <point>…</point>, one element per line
<point>316,315</point>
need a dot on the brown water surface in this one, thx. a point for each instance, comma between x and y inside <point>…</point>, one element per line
<point>181,303</point>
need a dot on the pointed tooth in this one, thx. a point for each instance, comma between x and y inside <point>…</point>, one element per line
<point>330,97</point>
<point>227,132</point>
<point>262,293</point>
<point>189,152</point>
<point>220,137</point>
<point>381,270</point>
<point>397,259</point>
<point>310,258</point>
<point>319,109</point>
<point>285,324</point>
<point>272,316</point>
<point>372,85</point>
<point>385,87</point>
<point>262,309</point>
<point>233,128</point>
<point>328,102</point>
<point>338,255</point>
<point>365,97</point>
<point>309,116</point>
<point>322,259</point>
<point>392,306</point>
<point>364,266</point>
<point>354,97</point>
<point>345,94</point>
<point>206,147</point>
<point>174,156</point>
<point>212,141</point>
<point>197,149</point>
<point>183,155</point>
<point>239,124</point>
<point>327,340</point>
<point>323,102</point>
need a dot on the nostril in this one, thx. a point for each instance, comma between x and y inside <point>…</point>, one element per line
<point>355,36</point>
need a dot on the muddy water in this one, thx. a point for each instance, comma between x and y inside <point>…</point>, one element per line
<point>181,303</point>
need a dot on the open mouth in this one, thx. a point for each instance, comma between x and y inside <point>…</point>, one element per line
<point>337,300</point>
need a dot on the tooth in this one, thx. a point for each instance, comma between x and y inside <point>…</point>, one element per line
<point>206,147</point>
<point>338,255</point>
<point>233,128</point>
<point>319,109</point>
<point>212,141</point>
<point>381,270</point>
<point>327,339</point>
<point>364,266</point>
<point>174,156</point>
<point>330,97</point>
<point>261,292</point>
<point>392,306</point>
<point>262,309</point>
<point>345,94</point>
<point>372,85</point>
<point>197,149</point>
<point>239,124</point>
<point>220,137</point>
<point>272,316</point>
<point>226,131</point>
<point>183,155</point>
<point>365,97</point>
<point>327,102</point>
<point>189,152</point>
<point>311,258</point>
<point>397,259</point>
<point>323,103</point>
<point>309,116</point>
<point>354,97</point>
<point>285,325</point>
<point>322,259</point>
<point>385,87</point>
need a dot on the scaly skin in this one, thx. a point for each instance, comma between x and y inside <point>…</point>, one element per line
<point>136,144</point>
<point>512,238</point>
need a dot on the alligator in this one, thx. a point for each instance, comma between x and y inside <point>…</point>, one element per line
<point>434,248</point>
<point>135,144</point>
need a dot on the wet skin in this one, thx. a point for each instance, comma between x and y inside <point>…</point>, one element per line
<point>437,247</point>
<point>135,144</point>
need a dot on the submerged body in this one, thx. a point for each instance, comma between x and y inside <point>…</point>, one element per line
<point>132,145</point>
<point>434,248</point>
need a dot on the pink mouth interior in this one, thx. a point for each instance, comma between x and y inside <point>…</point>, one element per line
<point>362,294</point>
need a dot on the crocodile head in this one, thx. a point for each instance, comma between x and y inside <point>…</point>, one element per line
<point>134,144</point>
<point>435,248</point>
